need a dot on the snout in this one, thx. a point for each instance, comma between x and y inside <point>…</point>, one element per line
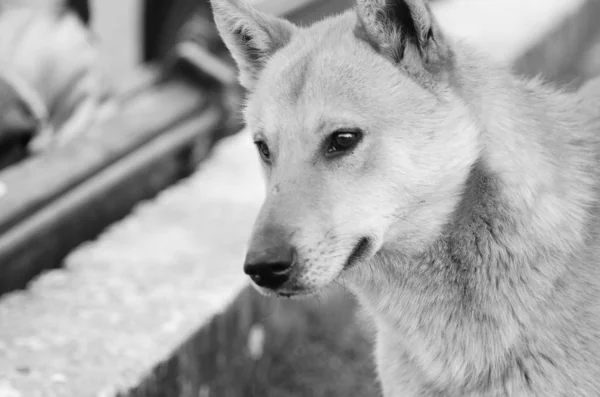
<point>270,259</point>
<point>298,250</point>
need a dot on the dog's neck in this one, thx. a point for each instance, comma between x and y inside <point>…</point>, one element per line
<point>510,245</point>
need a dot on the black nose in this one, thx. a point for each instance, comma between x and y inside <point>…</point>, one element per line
<point>270,268</point>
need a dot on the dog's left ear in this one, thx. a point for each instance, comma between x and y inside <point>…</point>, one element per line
<point>404,31</point>
<point>251,36</point>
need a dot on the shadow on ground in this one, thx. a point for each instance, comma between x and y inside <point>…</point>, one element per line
<point>321,350</point>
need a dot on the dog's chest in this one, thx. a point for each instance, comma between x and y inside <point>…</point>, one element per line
<point>412,368</point>
<point>416,369</point>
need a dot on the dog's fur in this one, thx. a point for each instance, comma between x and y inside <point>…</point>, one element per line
<point>474,192</point>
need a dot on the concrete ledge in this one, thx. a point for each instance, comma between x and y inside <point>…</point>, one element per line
<point>158,305</point>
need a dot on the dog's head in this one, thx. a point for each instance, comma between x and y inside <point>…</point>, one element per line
<point>365,144</point>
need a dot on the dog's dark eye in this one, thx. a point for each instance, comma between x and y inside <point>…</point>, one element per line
<point>343,141</point>
<point>263,150</point>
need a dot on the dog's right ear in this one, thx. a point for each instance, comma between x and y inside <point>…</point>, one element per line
<point>404,31</point>
<point>251,36</point>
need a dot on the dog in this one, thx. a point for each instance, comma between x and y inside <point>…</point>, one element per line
<point>457,201</point>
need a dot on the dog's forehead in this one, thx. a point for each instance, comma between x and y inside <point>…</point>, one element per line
<point>320,70</point>
<point>302,93</point>
<point>313,58</point>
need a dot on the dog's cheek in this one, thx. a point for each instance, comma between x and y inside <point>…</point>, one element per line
<point>318,273</point>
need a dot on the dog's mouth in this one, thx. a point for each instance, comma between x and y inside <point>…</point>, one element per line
<point>294,291</point>
<point>294,288</point>
<point>359,252</point>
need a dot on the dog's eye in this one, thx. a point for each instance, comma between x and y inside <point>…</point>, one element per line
<point>343,141</point>
<point>263,150</point>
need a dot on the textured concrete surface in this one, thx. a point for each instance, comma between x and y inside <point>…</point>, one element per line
<point>157,306</point>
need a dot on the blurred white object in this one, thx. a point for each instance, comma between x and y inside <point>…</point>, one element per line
<point>49,57</point>
<point>505,29</point>
<point>256,341</point>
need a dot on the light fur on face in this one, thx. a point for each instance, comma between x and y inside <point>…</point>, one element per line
<point>465,220</point>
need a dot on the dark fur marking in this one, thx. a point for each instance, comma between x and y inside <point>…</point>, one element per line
<point>359,250</point>
<point>253,53</point>
<point>472,215</point>
<point>469,244</point>
<point>399,13</point>
<point>300,71</point>
<point>360,32</point>
<point>524,371</point>
<point>548,359</point>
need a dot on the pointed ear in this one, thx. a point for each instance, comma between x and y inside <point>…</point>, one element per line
<point>251,36</point>
<point>403,31</point>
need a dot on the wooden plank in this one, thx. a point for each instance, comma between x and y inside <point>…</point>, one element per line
<point>47,236</point>
<point>38,180</point>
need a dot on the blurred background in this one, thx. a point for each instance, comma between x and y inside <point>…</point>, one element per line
<point>128,188</point>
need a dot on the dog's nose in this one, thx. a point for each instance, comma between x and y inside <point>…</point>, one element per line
<point>270,268</point>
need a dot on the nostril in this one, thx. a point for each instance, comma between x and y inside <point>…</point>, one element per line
<point>269,275</point>
<point>276,268</point>
<point>281,268</point>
